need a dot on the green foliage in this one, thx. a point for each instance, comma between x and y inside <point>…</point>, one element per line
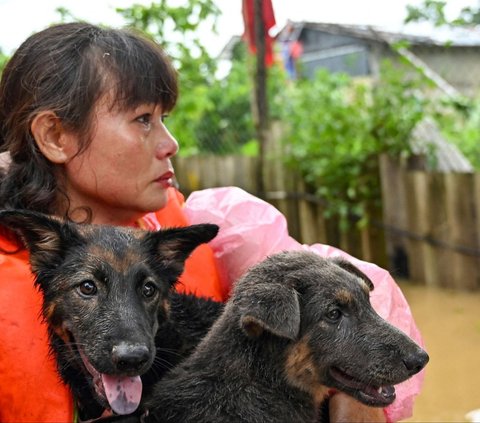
<point>461,126</point>
<point>165,22</point>
<point>338,128</point>
<point>227,125</point>
<point>434,11</point>
<point>65,15</point>
<point>329,141</point>
<point>431,10</point>
<point>3,60</point>
<point>176,28</point>
<point>398,104</point>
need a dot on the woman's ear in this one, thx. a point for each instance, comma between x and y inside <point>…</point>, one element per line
<point>54,142</point>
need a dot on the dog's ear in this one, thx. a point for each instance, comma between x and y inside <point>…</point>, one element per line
<point>349,267</point>
<point>45,237</point>
<point>173,246</point>
<point>269,307</point>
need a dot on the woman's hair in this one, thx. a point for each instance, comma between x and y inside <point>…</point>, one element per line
<point>66,68</point>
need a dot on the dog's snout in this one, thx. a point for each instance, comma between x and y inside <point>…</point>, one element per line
<point>127,357</point>
<point>416,361</point>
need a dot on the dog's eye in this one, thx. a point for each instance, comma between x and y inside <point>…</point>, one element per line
<point>334,315</point>
<point>149,290</point>
<point>88,288</point>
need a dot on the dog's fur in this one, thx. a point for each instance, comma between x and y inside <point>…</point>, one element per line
<point>108,301</point>
<point>272,332</point>
<point>296,327</point>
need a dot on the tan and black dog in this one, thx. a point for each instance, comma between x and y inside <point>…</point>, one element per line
<point>115,325</point>
<point>296,326</point>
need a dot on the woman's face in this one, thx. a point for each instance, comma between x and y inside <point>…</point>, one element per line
<point>126,169</point>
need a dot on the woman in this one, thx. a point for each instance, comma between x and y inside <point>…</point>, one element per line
<point>82,114</point>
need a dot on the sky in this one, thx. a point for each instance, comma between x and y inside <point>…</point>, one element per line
<point>20,18</point>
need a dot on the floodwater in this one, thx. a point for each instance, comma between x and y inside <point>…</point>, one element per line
<point>450,324</point>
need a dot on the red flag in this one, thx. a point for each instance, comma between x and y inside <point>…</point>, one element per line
<point>268,22</point>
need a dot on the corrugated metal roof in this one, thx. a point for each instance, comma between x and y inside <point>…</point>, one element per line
<point>447,156</point>
<point>414,34</point>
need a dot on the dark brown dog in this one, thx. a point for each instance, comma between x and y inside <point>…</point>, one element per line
<point>108,302</point>
<point>296,326</point>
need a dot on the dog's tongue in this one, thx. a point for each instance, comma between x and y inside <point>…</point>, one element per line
<point>123,393</point>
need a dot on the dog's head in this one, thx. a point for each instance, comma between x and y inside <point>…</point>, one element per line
<point>106,291</point>
<point>336,339</point>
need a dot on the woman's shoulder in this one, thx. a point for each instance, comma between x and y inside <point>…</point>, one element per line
<point>14,262</point>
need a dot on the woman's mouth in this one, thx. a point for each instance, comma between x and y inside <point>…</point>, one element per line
<point>166,180</point>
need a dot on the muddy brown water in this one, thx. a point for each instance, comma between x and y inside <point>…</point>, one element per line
<point>450,324</point>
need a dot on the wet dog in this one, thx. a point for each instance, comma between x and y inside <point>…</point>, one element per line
<point>112,317</point>
<point>296,327</point>
<point>115,325</point>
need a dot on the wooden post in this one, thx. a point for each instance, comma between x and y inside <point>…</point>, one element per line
<point>308,222</point>
<point>275,174</point>
<point>392,176</point>
<point>476,205</point>
<point>260,109</point>
<point>416,189</point>
<point>462,229</point>
<point>437,258</point>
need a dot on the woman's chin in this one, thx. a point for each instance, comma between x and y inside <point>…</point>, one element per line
<point>156,202</point>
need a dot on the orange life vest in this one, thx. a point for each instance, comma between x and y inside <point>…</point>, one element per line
<point>31,390</point>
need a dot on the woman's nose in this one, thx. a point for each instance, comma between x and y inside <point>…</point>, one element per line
<point>167,145</point>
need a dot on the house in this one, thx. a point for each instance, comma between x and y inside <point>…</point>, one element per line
<point>450,57</point>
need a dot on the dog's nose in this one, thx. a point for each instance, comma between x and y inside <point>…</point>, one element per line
<point>415,362</point>
<point>128,357</point>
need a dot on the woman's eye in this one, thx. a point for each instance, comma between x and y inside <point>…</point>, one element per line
<point>145,119</point>
<point>87,288</point>
<point>334,315</point>
<point>164,117</point>
<point>149,290</point>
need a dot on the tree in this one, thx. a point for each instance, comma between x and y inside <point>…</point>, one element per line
<point>3,60</point>
<point>434,11</point>
<point>338,127</point>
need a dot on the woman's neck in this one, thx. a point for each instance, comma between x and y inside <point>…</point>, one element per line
<point>100,215</point>
<point>99,218</point>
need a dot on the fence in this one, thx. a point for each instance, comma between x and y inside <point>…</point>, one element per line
<point>430,225</point>
<point>433,220</point>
